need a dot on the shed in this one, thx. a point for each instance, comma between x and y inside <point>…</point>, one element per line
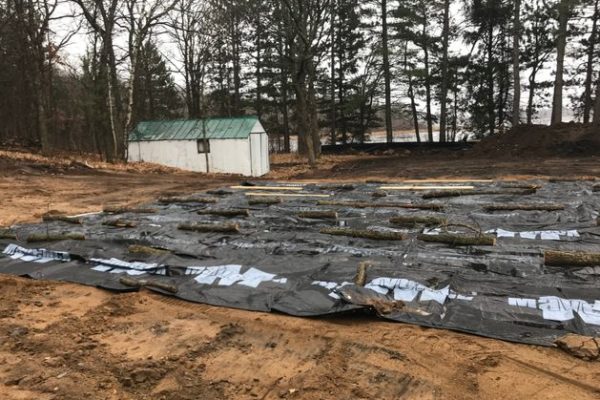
<point>237,145</point>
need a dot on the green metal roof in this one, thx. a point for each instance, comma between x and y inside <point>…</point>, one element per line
<point>192,129</point>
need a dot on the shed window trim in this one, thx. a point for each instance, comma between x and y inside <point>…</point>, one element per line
<point>203,146</point>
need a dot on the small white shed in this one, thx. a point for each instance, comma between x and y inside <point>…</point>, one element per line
<point>231,145</point>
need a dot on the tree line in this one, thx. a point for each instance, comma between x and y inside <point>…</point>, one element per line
<point>305,67</point>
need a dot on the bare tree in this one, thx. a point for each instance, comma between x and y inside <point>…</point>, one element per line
<point>516,64</point>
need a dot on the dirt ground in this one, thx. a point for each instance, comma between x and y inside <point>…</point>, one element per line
<point>64,341</point>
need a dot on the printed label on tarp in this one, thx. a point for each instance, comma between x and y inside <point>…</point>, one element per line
<point>40,256</point>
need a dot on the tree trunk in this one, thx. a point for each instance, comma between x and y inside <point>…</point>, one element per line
<point>516,65</point>
<point>597,105</point>
<point>411,96</point>
<point>386,73</point>
<point>333,110</point>
<point>427,85</point>
<point>564,9</point>
<point>444,86</point>
<point>587,95</point>
<point>532,87</point>
<point>490,79</point>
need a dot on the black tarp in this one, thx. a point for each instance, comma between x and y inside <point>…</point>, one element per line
<point>280,262</point>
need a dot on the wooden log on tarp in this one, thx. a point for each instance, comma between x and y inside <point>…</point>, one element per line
<point>342,187</point>
<point>54,237</point>
<point>571,258</point>
<point>571,179</point>
<point>8,234</point>
<point>360,279</point>
<point>226,213</point>
<point>176,199</point>
<point>364,233</point>
<point>207,228</point>
<point>416,220</point>
<point>219,192</point>
<point>53,217</point>
<point>379,194</point>
<point>366,204</point>
<point>148,250</point>
<point>524,207</point>
<point>596,188</point>
<point>459,193</point>
<point>318,214</point>
<point>264,201</point>
<point>140,283</point>
<point>120,223</point>
<point>458,239</point>
<point>124,210</point>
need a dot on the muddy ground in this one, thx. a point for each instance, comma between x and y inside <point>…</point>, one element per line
<point>64,341</point>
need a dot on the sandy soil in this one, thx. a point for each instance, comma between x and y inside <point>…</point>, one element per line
<point>63,341</point>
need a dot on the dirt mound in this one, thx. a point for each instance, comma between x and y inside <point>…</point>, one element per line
<point>570,139</point>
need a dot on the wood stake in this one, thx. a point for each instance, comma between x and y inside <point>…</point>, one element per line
<point>459,240</point>
<point>364,233</point>
<point>574,259</point>
<point>133,210</point>
<point>153,251</point>
<point>171,200</point>
<point>219,228</point>
<point>318,214</point>
<point>226,213</point>
<point>50,217</point>
<point>365,204</point>
<point>415,220</point>
<point>525,207</point>
<point>120,223</point>
<point>266,201</point>
<point>360,279</point>
<point>7,234</point>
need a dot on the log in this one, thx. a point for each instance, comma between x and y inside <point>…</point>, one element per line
<point>7,234</point>
<point>360,279</point>
<point>148,250</point>
<point>459,240</point>
<point>524,206</point>
<point>259,194</point>
<point>54,237</point>
<point>344,187</point>
<point>366,204</point>
<point>120,223</point>
<point>458,193</point>
<point>596,188</point>
<point>377,181</point>
<point>226,213</point>
<point>219,228</point>
<point>450,180</point>
<point>416,220</point>
<point>139,283</point>
<point>571,259</point>
<point>379,194</point>
<point>264,201</point>
<point>364,233</point>
<point>51,217</point>
<point>172,200</point>
<point>133,210</point>
<point>318,214</point>
<point>571,179</point>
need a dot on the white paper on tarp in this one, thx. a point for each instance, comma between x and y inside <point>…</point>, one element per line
<point>558,309</point>
<point>40,256</point>
<point>543,235</point>
<point>230,275</point>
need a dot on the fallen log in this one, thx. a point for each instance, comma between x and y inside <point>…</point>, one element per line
<point>360,279</point>
<point>318,214</point>
<point>218,228</point>
<point>225,213</point>
<point>366,204</point>
<point>364,233</point>
<point>571,179</point>
<point>120,223</point>
<point>51,217</point>
<point>379,194</point>
<point>596,188</point>
<point>459,193</point>
<point>219,192</point>
<point>344,187</point>
<point>124,210</point>
<point>139,283</point>
<point>524,207</point>
<point>264,201</point>
<point>172,200</point>
<point>459,240</point>
<point>292,188</point>
<point>416,220</point>
<point>148,250</point>
<point>574,259</point>
<point>54,237</point>
<point>7,234</point>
